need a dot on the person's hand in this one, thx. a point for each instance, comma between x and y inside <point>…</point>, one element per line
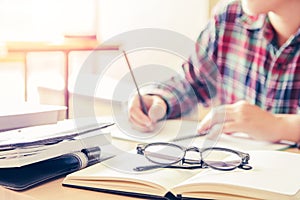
<point>156,109</point>
<point>243,117</point>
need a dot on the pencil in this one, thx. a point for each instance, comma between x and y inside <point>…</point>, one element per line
<point>143,105</point>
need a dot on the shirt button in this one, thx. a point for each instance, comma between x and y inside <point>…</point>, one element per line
<point>269,108</point>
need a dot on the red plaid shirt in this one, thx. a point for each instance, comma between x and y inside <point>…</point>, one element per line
<point>237,58</point>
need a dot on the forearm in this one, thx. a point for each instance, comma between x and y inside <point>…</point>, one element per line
<point>178,96</point>
<point>288,127</point>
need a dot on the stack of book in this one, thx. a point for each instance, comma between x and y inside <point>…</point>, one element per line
<point>35,151</point>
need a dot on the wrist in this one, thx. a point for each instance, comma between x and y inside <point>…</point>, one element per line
<point>288,127</point>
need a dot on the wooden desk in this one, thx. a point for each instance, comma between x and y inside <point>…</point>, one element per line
<point>55,190</point>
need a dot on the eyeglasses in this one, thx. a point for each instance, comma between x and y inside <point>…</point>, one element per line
<point>170,155</point>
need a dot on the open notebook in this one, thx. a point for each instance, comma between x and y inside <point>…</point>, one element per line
<point>275,175</point>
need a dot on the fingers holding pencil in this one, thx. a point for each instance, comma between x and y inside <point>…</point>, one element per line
<point>156,110</point>
<point>144,111</point>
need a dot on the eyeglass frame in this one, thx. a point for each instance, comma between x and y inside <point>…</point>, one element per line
<point>245,157</point>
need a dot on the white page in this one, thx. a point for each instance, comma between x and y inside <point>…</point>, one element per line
<point>177,128</point>
<point>274,171</point>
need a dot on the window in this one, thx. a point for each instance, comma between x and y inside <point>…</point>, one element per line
<point>46,20</point>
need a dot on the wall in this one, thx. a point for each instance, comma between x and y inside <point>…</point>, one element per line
<point>115,17</point>
<point>118,16</point>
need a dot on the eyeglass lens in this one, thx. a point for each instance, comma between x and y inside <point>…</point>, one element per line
<point>164,154</point>
<point>168,154</point>
<point>221,159</point>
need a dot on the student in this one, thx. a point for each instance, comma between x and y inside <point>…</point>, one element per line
<point>256,46</point>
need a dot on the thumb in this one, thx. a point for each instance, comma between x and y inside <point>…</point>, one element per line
<point>205,123</point>
<point>157,110</point>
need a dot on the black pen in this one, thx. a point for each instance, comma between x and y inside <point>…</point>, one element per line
<point>143,105</point>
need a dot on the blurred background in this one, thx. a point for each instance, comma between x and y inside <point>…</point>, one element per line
<point>44,43</point>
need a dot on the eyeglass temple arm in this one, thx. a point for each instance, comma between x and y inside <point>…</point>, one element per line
<point>147,167</point>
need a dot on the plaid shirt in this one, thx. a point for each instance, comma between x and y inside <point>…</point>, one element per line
<point>249,65</point>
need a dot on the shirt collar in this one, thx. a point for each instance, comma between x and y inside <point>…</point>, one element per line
<point>252,22</point>
<point>297,36</point>
<point>260,23</point>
